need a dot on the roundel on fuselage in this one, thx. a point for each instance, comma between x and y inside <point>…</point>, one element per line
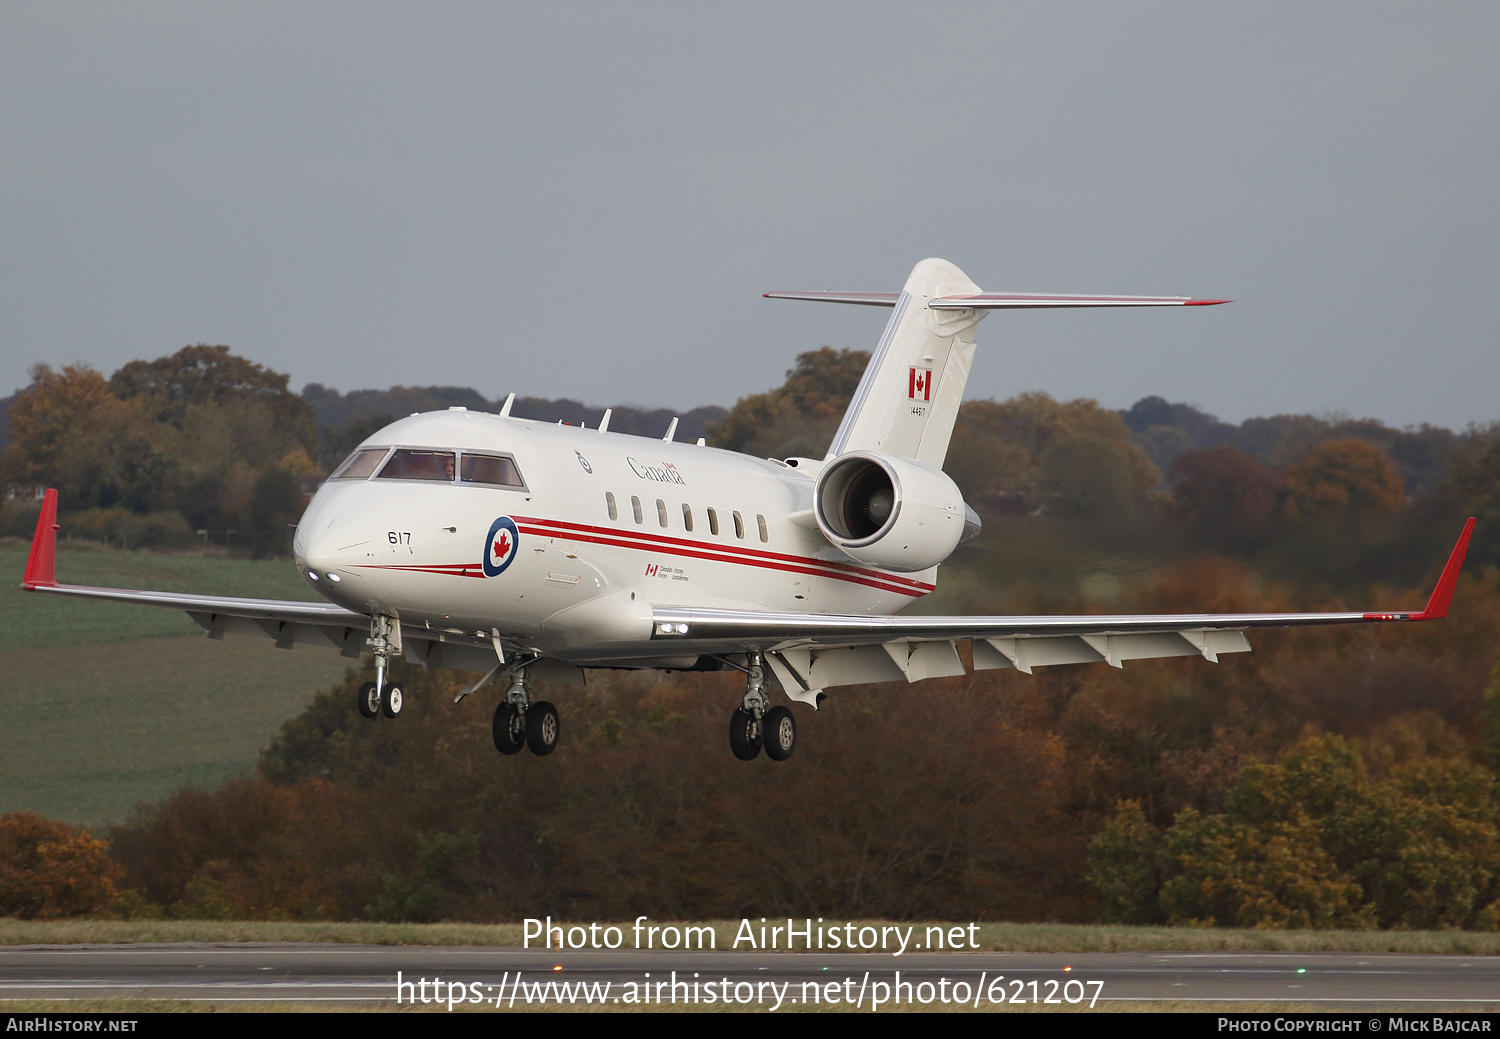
<point>500,546</point>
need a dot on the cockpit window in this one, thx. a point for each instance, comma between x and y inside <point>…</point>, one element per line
<point>416,464</point>
<point>360,464</point>
<point>492,470</point>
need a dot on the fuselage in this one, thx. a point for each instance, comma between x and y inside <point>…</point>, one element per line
<point>558,536</point>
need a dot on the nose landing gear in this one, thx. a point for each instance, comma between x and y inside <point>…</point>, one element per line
<point>376,698</point>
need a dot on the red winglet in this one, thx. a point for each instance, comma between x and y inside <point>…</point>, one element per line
<point>1437,606</point>
<point>41,564</point>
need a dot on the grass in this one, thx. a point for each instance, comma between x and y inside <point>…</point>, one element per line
<point>992,937</point>
<point>108,705</point>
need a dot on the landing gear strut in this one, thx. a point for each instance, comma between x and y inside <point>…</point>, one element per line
<point>755,725</point>
<point>520,723</point>
<point>376,698</point>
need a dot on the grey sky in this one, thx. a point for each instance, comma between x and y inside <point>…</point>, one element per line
<point>587,200</point>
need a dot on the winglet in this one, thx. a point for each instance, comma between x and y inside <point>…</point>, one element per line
<point>1437,606</point>
<point>1442,595</point>
<point>40,565</point>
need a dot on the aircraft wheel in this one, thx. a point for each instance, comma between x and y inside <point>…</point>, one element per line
<point>390,703</point>
<point>780,733</point>
<point>542,728</point>
<point>509,729</point>
<point>369,700</point>
<point>744,735</point>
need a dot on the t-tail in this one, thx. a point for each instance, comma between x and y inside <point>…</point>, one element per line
<point>908,399</point>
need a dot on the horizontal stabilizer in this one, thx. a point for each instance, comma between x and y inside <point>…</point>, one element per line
<point>1000,300</point>
<point>862,299</point>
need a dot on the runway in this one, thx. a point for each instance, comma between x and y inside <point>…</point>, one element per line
<point>509,979</point>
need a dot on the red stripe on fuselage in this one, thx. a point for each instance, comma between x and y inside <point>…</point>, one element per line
<point>451,569</point>
<point>646,542</point>
<point>643,541</point>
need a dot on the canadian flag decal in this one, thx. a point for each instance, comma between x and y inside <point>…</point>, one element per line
<point>919,384</point>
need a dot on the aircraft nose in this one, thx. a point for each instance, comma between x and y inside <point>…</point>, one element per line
<point>324,544</point>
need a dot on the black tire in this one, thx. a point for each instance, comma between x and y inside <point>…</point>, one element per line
<point>744,735</point>
<point>369,701</point>
<point>542,728</point>
<point>779,732</point>
<point>391,702</point>
<point>509,729</point>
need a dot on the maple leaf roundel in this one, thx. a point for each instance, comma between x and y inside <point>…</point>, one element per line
<point>500,546</point>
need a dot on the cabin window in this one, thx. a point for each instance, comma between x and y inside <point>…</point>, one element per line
<point>495,470</point>
<point>687,518</point>
<point>609,499</point>
<point>760,521</point>
<point>416,464</point>
<point>739,527</point>
<point>713,522</point>
<point>661,512</point>
<point>635,505</point>
<point>360,464</point>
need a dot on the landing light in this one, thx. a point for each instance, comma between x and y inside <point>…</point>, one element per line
<point>312,574</point>
<point>334,578</point>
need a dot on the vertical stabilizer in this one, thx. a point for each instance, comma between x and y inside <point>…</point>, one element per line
<point>908,400</point>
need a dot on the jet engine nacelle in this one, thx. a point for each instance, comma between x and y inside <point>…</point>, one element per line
<point>893,513</point>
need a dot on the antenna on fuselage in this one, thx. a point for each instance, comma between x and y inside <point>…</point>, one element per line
<point>604,422</point>
<point>672,429</point>
<point>505,410</point>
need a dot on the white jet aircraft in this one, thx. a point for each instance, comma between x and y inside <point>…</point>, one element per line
<point>515,548</point>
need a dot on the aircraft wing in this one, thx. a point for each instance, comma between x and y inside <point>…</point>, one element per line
<point>812,652</point>
<point>807,652</point>
<point>287,621</point>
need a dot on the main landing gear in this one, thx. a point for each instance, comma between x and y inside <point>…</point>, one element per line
<point>754,726</point>
<point>377,698</point>
<point>520,723</point>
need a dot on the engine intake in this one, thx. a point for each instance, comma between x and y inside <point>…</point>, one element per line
<point>894,513</point>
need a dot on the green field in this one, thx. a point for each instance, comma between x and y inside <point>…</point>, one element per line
<point>107,705</point>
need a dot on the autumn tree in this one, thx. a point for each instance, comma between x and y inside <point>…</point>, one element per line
<point>1124,868</point>
<point>1093,477</point>
<point>275,505</point>
<point>211,375</point>
<point>1342,482</point>
<point>800,416</point>
<point>1312,841</point>
<point>45,415</point>
<point>49,870</point>
<point>1472,489</point>
<point>1225,497</point>
<point>999,447</point>
<point>68,431</point>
